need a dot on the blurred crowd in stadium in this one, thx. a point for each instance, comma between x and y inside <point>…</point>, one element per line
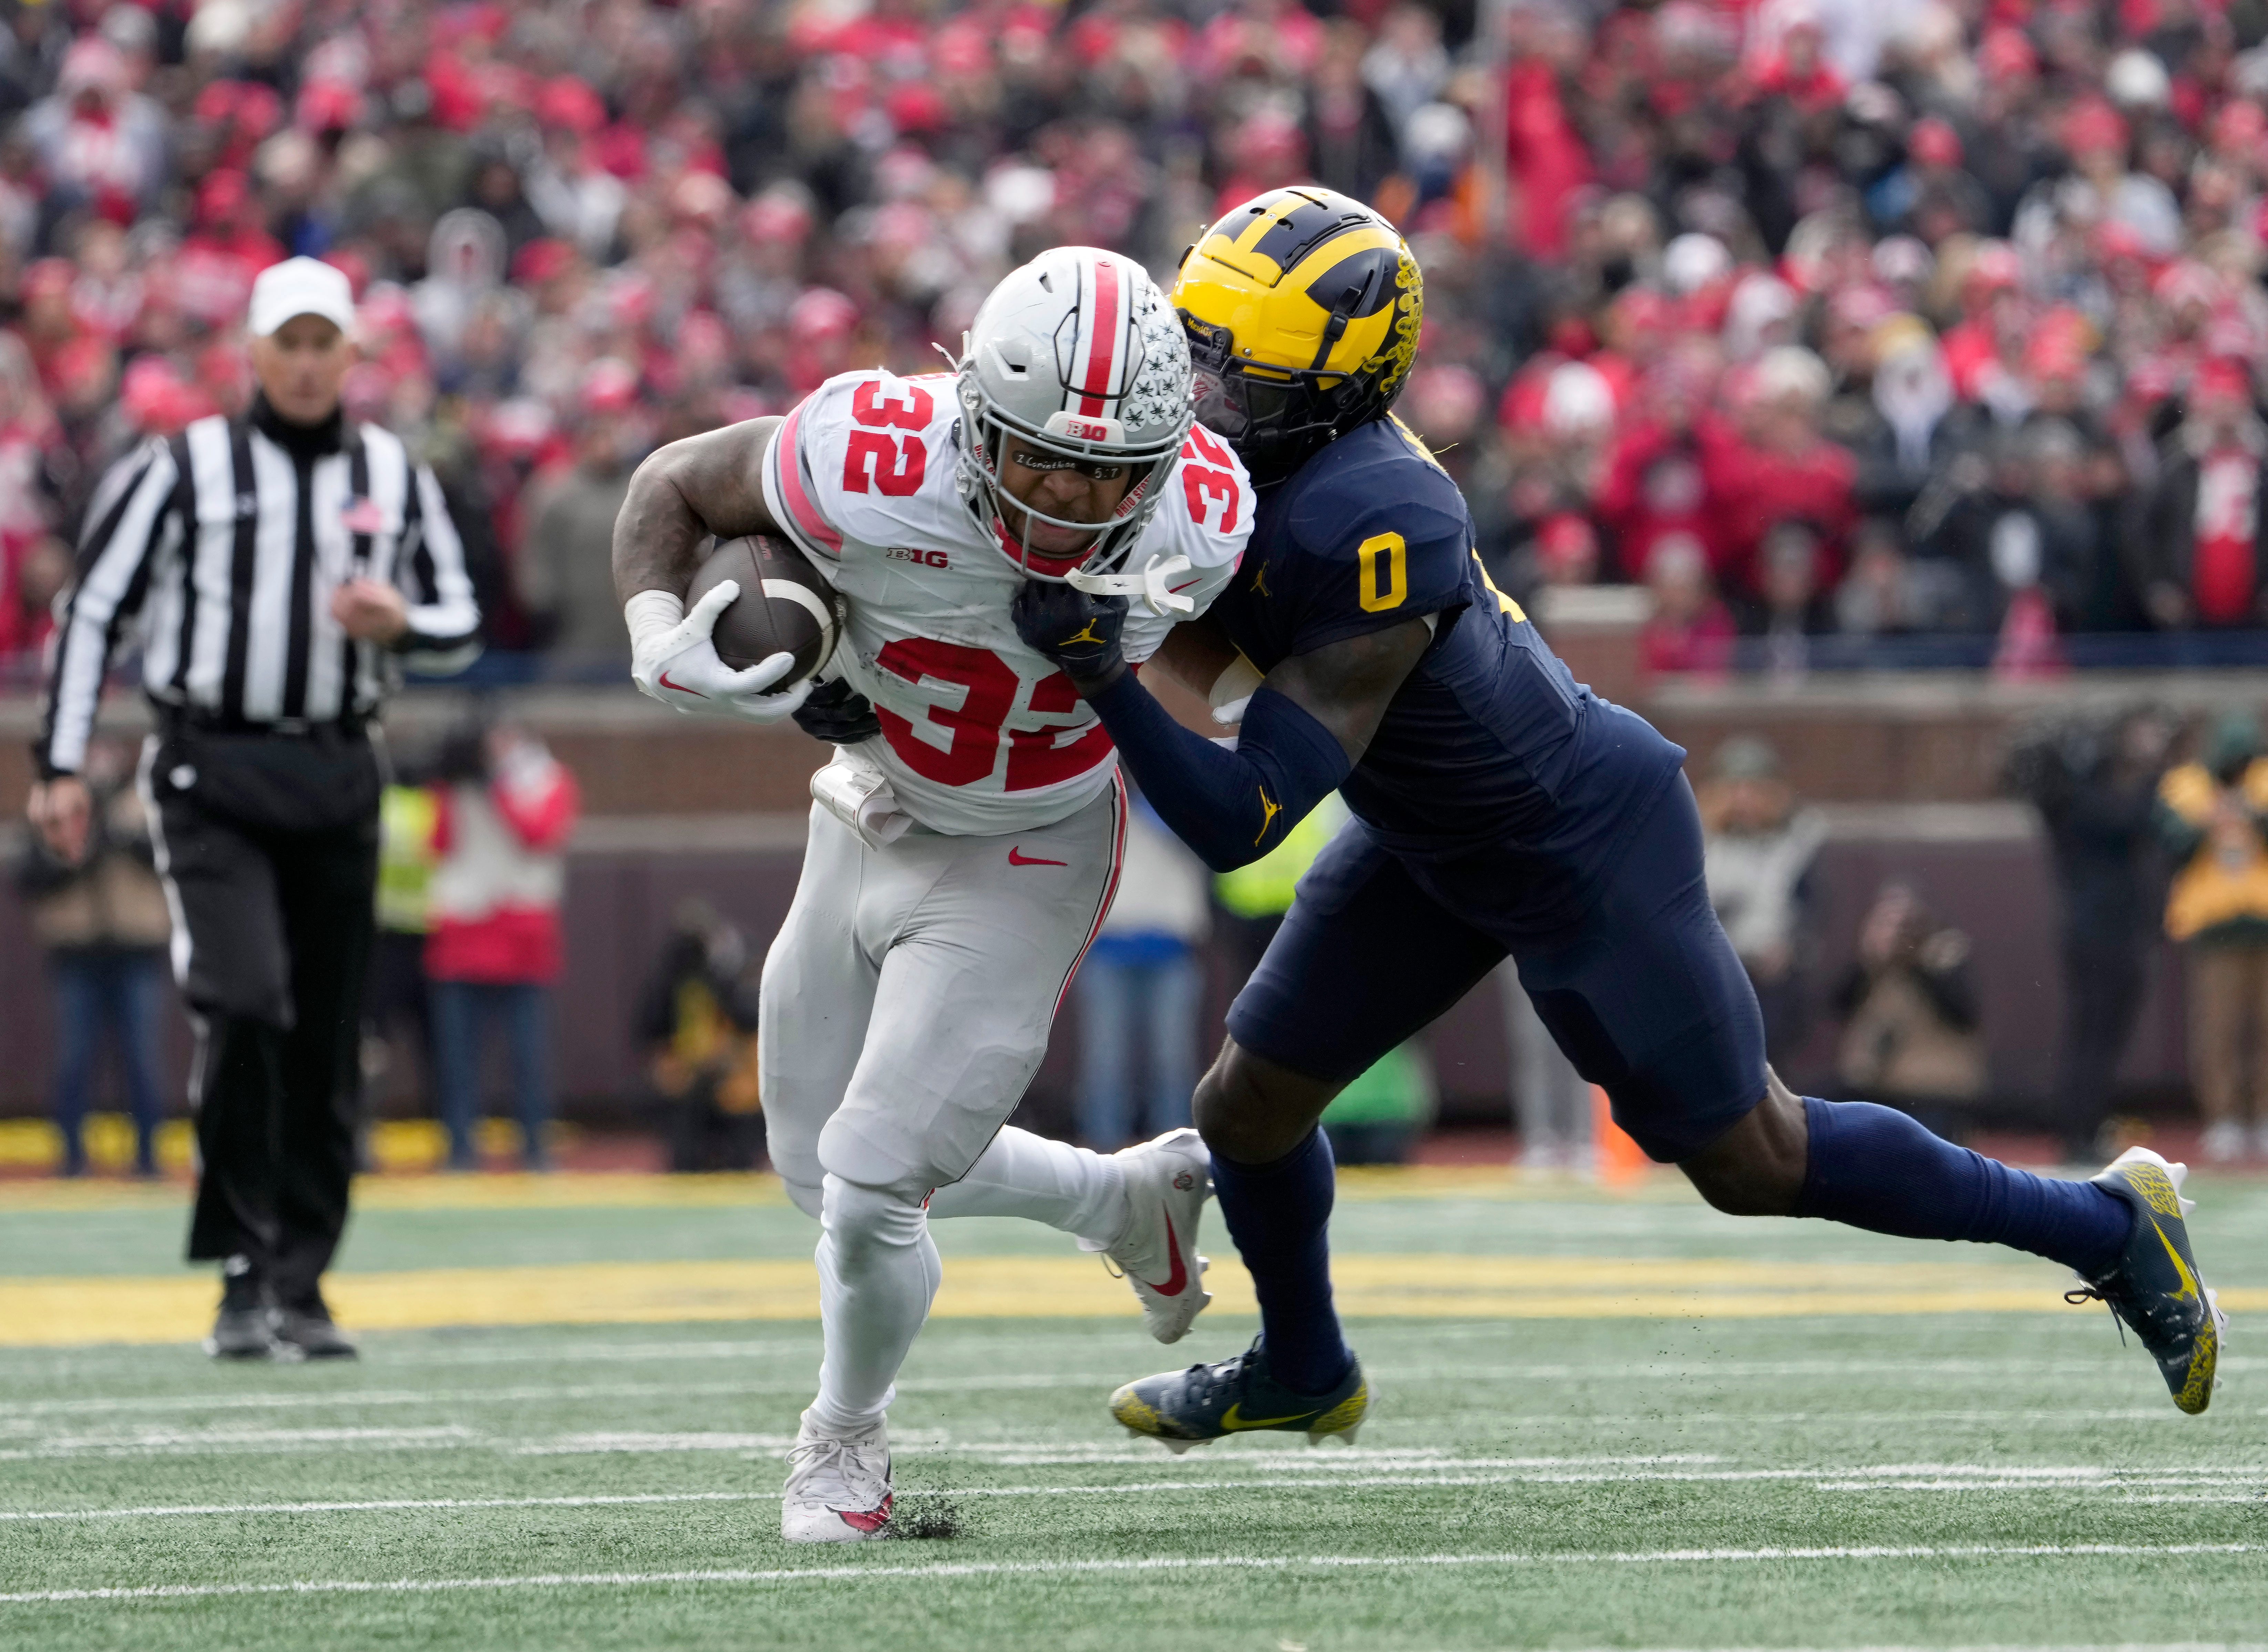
<point>1834,321</point>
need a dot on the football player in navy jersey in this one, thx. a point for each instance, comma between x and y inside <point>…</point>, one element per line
<point>1499,807</point>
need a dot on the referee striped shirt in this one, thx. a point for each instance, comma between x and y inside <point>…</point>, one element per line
<point>223,546</point>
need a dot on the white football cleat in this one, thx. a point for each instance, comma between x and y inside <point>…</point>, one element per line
<point>1167,1182</point>
<point>838,1486</point>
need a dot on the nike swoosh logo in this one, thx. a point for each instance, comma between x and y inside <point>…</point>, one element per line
<point>663,680</point>
<point>1233,1419</point>
<point>2188,1290</point>
<point>1178,1279</point>
<point>1018,858</point>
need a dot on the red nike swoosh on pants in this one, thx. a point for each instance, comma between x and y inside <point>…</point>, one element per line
<point>1018,858</point>
<point>1178,1279</point>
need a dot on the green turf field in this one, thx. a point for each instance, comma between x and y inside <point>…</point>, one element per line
<point>1863,1478</point>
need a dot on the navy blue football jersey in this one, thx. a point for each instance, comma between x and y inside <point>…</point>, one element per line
<point>1494,768</point>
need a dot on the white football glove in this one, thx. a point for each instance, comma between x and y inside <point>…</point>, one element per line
<point>673,660</point>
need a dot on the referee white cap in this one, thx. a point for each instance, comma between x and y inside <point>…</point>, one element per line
<point>300,286</point>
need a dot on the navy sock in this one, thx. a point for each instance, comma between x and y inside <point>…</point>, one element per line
<point>1874,1167</point>
<point>1279,1214</point>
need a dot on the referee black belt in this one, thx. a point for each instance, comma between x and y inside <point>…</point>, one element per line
<point>196,719</point>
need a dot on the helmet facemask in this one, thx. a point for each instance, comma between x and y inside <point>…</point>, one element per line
<point>1273,416</point>
<point>1075,359</point>
<point>983,433</point>
<point>1302,309</point>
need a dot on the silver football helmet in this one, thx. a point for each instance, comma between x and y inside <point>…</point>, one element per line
<point>1079,355</point>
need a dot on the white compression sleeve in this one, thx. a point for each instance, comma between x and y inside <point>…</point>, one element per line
<point>1023,1174</point>
<point>652,614</point>
<point>878,1273</point>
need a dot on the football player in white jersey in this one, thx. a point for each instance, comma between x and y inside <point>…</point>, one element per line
<point>965,841</point>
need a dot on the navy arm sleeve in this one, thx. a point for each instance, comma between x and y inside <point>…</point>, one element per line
<point>1230,807</point>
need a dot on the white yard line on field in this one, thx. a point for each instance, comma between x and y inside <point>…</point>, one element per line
<point>391,1505</point>
<point>348,1397</point>
<point>1164,1563</point>
<point>401,1352</point>
<point>2260,1497</point>
<point>152,1442</point>
<point>1621,1421</point>
<point>1408,1479</point>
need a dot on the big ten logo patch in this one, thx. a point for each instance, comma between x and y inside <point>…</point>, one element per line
<point>923,558</point>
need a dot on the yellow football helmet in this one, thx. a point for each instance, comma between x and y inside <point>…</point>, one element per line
<point>1302,308</point>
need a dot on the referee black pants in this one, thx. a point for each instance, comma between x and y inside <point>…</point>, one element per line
<point>269,845</point>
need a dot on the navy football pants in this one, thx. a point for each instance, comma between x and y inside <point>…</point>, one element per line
<point>1644,994</point>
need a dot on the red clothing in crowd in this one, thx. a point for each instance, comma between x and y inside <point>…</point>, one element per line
<point>1972,358</point>
<point>1810,86</point>
<point>1701,645</point>
<point>502,872</point>
<point>2223,577</point>
<point>1546,159</point>
<point>1657,485</point>
<point>1761,488</point>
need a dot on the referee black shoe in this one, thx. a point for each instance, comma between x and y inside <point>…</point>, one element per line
<point>244,1329</point>
<point>306,1331</point>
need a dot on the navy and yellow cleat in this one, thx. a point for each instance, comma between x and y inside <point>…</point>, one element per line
<point>1195,1407</point>
<point>2154,1286</point>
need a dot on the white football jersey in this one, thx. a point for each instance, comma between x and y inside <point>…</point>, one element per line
<point>981,737</point>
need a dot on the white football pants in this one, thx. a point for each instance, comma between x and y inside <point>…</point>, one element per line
<point>906,1005</point>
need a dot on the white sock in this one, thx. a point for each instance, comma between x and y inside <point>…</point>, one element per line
<point>1052,1182</point>
<point>878,1274</point>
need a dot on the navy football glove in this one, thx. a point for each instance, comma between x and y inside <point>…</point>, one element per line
<point>838,714</point>
<point>1078,631</point>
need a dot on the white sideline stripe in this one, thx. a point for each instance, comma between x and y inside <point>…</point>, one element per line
<point>1164,1563</point>
<point>1382,1331</point>
<point>412,1504</point>
<point>132,1441</point>
<point>783,1346</point>
<point>1628,1421</point>
<point>347,1397</point>
<point>393,1504</point>
<point>152,1441</point>
<point>2198,1497</point>
<point>2040,1479</point>
<point>28,1445</point>
<point>773,1349</point>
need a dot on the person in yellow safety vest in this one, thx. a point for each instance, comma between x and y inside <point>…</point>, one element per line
<point>2212,813</point>
<point>1254,897</point>
<point>395,1017</point>
<point>1378,1117</point>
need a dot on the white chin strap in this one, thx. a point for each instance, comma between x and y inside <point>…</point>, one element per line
<point>1149,585</point>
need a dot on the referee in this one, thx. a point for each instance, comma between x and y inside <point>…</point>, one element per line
<point>281,567</point>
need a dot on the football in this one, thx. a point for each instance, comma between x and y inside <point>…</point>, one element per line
<point>785,607</point>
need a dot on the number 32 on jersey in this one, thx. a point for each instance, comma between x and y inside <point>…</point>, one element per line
<point>960,745</point>
<point>875,461</point>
